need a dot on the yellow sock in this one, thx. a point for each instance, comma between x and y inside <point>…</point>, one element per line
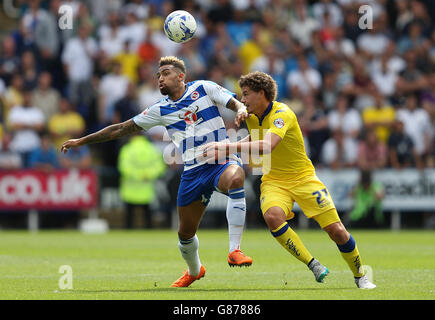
<point>292,243</point>
<point>349,252</point>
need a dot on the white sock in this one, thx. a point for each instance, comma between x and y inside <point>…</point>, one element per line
<point>189,252</point>
<point>236,214</point>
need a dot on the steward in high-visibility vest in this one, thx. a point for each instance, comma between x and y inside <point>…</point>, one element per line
<point>140,163</point>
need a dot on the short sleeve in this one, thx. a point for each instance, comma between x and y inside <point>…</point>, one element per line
<point>218,94</point>
<point>148,118</point>
<point>281,122</point>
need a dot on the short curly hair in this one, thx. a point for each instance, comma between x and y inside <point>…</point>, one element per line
<point>257,81</point>
<point>174,61</point>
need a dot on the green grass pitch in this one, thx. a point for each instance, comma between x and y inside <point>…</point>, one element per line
<point>143,264</point>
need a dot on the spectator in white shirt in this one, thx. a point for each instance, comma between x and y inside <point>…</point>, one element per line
<point>373,43</point>
<point>384,78</point>
<point>110,36</point>
<point>133,31</point>
<point>395,63</point>
<point>113,87</point>
<point>25,122</point>
<point>346,119</point>
<point>78,59</point>
<point>139,7</point>
<point>302,25</point>
<point>339,151</point>
<point>417,125</point>
<point>305,80</point>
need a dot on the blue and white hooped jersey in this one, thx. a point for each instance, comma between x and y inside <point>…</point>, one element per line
<point>191,121</point>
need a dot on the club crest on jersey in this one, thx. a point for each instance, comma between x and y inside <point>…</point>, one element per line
<point>190,116</point>
<point>194,95</point>
<point>279,123</point>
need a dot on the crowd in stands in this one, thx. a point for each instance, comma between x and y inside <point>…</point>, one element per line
<point>364,97</point>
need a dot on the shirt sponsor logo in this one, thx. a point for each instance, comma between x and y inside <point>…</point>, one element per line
<point>190,116</point>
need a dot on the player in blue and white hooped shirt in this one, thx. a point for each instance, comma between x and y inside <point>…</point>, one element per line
<point>190,113</point>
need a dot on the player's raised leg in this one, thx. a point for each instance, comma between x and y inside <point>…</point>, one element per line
<point>275,218</point>
<point>189,219</point>
<point>231,182</point>
<point>349,251</point>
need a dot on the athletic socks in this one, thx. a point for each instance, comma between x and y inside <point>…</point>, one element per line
<point>349,252</point>
<point>189,252</point>
<point>292,243</point>
<point>236,214</point>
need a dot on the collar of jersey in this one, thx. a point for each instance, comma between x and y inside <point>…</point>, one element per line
<point>266,112</point>
<point>182,96</point>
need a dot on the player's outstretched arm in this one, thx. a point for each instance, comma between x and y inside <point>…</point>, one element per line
<point>108,133</point>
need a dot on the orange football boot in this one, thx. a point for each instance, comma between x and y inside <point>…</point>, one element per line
<point>238,258</point>
<point>186,279</point>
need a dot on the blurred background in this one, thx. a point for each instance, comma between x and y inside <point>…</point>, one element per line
<point>360,79</point>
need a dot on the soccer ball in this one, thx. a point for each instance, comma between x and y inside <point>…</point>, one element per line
<point>180,26</point>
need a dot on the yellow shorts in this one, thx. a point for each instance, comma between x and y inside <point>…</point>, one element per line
<point>309,192</point>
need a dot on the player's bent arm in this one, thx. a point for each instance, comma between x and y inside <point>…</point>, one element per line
<point>108,133</point>
<point>235,105</point>
<point>239,108</point>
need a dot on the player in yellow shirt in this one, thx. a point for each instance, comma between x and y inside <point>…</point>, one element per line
<point>288,176</point>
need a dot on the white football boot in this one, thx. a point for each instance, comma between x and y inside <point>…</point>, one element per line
<point>364,283</point>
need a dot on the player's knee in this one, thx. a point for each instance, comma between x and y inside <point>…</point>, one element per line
<point>237,179</point>
<point>274,217</point>
<point>236,182</point>
<point>337,232</point>
<point>186,234</point>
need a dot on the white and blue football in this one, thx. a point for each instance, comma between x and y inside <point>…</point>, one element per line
<point>180,26</point>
